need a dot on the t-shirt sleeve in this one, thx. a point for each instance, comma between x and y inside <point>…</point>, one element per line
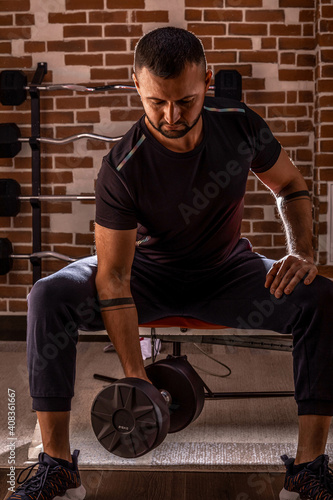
<point>266,148</point>
<point>114,205</point>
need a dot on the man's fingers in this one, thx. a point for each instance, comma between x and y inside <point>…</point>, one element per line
<point>311,276</point>
<point>271,274</point>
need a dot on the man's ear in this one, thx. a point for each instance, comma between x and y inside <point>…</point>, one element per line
<point>136,83</point>
<point>208,79</point>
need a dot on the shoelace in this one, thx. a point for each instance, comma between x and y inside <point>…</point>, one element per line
<point>325,476</point>
<point>37,482</point>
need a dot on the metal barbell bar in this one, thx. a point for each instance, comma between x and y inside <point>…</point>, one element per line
<point>11,140</point>
<point>13,87</point>
<point>7,256</point>
<point>10,197</point>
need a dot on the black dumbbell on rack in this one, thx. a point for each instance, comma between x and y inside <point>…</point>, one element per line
<point>132,417</point>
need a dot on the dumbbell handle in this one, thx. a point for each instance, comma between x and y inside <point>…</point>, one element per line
<point>167,396</point>
<point>55,255</point>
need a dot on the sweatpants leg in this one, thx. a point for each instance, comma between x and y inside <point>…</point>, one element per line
<point>66,301</point>
<point>235,296</point>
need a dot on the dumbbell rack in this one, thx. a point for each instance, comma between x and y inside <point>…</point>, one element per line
<point>37,79</point>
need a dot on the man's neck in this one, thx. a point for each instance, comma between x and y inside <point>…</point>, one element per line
<point>183,144</point>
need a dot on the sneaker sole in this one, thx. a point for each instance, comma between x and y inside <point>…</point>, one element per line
<point>288,495</point>
<point>73,494</point>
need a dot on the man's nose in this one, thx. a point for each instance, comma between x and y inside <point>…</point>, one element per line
<point>172,114</point>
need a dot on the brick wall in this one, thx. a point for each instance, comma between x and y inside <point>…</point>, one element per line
<point>282,48</point>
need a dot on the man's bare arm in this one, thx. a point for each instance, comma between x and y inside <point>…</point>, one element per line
<point>284,179</point>
<point>115,253</point>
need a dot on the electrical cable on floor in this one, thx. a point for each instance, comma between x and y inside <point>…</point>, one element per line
<point>216,361</point>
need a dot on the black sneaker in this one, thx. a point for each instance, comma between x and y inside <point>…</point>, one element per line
<point>51,482</point>
<point>314,482</point>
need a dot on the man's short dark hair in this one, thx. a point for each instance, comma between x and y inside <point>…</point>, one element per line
<point>166,51</point>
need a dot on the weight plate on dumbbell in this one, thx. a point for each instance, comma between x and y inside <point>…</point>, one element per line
<point>178,377</point>
<point>130,417</point>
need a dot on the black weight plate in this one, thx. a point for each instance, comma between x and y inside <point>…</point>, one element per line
<point>178,377</point>
<point>130,418</point>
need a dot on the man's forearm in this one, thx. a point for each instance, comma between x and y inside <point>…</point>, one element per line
<point>296,215</point>
<point>121,322</point>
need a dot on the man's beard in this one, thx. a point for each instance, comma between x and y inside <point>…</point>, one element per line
<point>174,134</point>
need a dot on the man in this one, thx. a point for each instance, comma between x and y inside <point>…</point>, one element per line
<point>169,203</point>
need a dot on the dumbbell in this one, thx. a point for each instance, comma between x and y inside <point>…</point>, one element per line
<point>11,140</point>
<point>131,417</point>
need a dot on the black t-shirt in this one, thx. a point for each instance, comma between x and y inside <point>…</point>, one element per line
<point>187,207</point>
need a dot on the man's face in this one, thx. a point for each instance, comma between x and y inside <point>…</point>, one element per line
<point>173,106</point>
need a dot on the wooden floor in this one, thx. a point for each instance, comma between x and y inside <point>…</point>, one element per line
<point>120,485</point>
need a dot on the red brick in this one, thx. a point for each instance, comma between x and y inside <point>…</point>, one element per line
<point>293,141</point>
<point>57,177</point>
<point>307,16</point>
<point>326,146</point>
<point>88,116</point>
<point>325,40</point>
<point>50,237</point>
<point>68,46</point>
<point>262,240</point>
<point>77,31</point>
<point>84,60</point>
<point>84,239</point>
<point>327,11</point>
<point>73,162</point>
<point>259,56</point>
<point>295,75</point>
<point>5,48</point>
<point>297,43</point>
<point>253,84</point>
<point>109,74</point>
<point>232,43</point>
<point>253,213</point>
<point>84,4</point>
<point>57,117</point>
<point>327,71</point>
<point>291,96</point>
<point>24,19</point>
<point>34,47</point>
<point>248,29</point>
<point>304,126</point>
<point>288,58</point>
<point>265,97</point>
<point>125,4</point>
<point>325,101</point>
<point>104,17</point>
<point>61,18</point>
<point>221,57</point>
<point>201,29</point>
<point>308,30</point>
<point>125,115</point>
<point>223,15</point>
<point>16,6</point>
<point>326,174</point>
<point>109,101</point>
<point>150,16</point>
<point>193,15</point>
<point>286,110</point>
<point>118,59</point>
<point>325,86</point>
<point>263,16</point>
<point>6,20</point>
<point>267,226</point>
<point>109,45</point>
<point>243,3</point>
<point>204,3</point>
<point>327,55</point>
<point>304,155</point>
<point>268,43</point>
<point>298,3</point>
<point>285,30</point>
<point>14,33</point>
<point>15,62</point>
<point>18,305</point>
<point>13,292</point>
<point>71,102</point>
<point>306,60</point>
